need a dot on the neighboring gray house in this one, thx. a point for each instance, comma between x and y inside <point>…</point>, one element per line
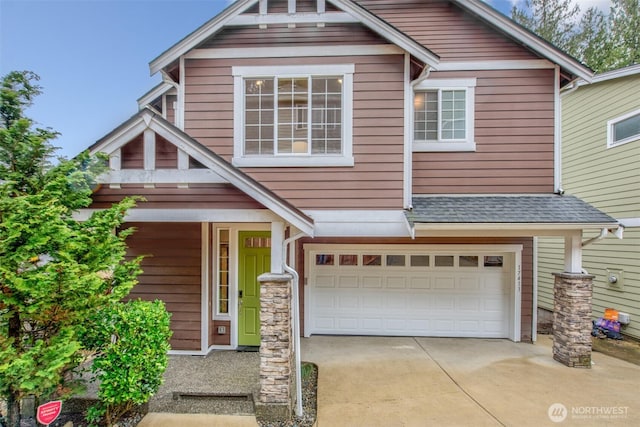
<point>600,165</point>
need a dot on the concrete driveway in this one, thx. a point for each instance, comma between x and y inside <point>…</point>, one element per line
<point>389,381</point>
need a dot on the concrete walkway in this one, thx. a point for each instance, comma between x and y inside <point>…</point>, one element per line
<point>382,381</point>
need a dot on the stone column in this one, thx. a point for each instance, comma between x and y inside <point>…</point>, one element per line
<point>572,325</point>
<point>276,349</point>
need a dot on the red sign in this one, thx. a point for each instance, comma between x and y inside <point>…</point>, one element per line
<point>48,412</point>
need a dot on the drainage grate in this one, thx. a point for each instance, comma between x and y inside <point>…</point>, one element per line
<point>220,397</point>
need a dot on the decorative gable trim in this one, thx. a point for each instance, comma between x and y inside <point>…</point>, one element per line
<point>232,16</point>
<point>156,92</point>
<point>218,169</point>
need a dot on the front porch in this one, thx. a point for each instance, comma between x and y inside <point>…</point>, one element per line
<point>223,382</point>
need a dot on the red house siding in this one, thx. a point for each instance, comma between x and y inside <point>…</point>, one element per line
<point>514,134</point>
<point>172,273</point>
<point>197,196</point>
<point>375,182</point>
<point>446,30</point>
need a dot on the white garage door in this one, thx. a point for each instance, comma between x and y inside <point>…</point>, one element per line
<point>409,292</point>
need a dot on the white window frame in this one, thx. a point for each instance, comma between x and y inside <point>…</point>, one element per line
<point>217,314</point>
<point>610,132</point>
<point>467,144</point>
<point>240,73</point>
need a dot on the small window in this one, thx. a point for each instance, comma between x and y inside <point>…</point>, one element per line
<point>371,260</point>
<point>348,259</point>
<point>223,272</point>
<point>623,129</point>
<point>443,261</point>
<point>324,259</point>
<point>468,261</point>
<point>493,261</point>
<point>443,115</point>
<point>419,260</point>
<point>396,260</point>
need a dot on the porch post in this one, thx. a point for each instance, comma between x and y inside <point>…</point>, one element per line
<point>276,349</point>
<point>572,319</point>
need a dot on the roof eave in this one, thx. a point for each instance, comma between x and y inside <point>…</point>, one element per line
<point>199,35</point>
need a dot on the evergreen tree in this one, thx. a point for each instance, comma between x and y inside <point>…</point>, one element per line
<point>54,270</point>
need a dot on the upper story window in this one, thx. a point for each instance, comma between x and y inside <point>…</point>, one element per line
<point>443,115</point>
<point>623,129</point>
<point>293,115</point>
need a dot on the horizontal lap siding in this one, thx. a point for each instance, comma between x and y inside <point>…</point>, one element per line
<point>132,154</point>
<point>197,196</point>
<point>172,273</point>
<point>609,179</point>
<point>378,132</point>
<point>526,277</point>
<point>447,30</point>
<point>514,134</point>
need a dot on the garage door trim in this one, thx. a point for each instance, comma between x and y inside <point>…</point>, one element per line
<point>515,260</point>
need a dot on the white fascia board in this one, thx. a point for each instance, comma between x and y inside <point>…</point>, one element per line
<point>388,32</point>
<point>189,215</point>
<point>359,223</point>
<point>154,93</point>
<point>161,176</point>
<point>505,229</point>
<point>629,222</point>
<point>294,18</point>
<point>516,64</point>
<point>199,35</point>
<point>294,52</point>
<point>616,74</point>
<point>527,38</point>
<point>117,140</point>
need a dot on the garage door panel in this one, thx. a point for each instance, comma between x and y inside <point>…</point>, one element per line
<point>446,282</point>
<point>325,281</point>
<point>396,282</point>
<point>421,300</point>
<point>420,283</point>
<point>348,282</point>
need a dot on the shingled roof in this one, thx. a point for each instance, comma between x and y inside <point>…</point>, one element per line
<point>512,209</point>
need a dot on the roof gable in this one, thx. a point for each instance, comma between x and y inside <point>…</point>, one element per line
<point>235,15</point>
<point>216,169</point>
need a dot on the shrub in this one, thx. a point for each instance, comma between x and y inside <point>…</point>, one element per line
<point>132,340</point>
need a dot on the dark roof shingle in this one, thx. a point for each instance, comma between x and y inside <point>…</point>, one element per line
<point>548,208</point>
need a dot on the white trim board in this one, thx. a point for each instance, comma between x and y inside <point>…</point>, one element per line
<point>190,215</point>
<point>359,223</point>
<point>294,51</point>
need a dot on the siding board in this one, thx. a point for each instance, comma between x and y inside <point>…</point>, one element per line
<point>446,30</point>
<point>172,273</point>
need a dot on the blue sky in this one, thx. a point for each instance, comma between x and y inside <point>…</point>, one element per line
<point>93,55</point>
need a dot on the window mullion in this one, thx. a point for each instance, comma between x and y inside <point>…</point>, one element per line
<point>439,118</point>
<point>309,112</point>
<point>276,102</point>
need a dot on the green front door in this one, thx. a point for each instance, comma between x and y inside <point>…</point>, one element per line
<point>254,259</point>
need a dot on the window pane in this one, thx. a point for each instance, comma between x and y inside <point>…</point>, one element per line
<point>223,272</point>
<point>372,260</point>
<point>419,260</point>
<point>326,116</point>
<point>324,259</point>
<point>493,261</point>
<point>348,259</point>
<point>426,115</point>
<point>453,114</point>
<point>627,128</point>
<point>468,261</point>
<point>443,261</point>
<point>395,260</point>
<point>258,116</point>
